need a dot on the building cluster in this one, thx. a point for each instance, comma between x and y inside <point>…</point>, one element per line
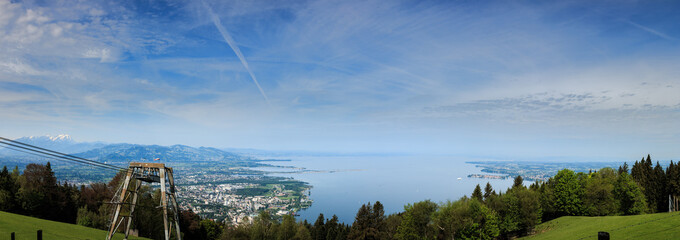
<point>487,176</point>
<point>221,201</point>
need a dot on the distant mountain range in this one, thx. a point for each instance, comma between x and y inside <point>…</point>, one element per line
<point>61,143</point>
<point>125,152</point>
<point>120,152</point>
<point>177,153</point>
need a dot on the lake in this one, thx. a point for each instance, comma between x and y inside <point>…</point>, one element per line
<point>345,183</point>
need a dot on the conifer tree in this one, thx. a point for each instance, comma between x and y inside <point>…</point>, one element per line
<point>287,229</point>
<point>302,233</point>
<point>263,226</point>
<point>378,220</point>
<point>488,191</point>
<point>362,224</point>
<point>333,228</point>
<point>660,188</point>
<point>518,182</point>
<point>477,193</point>
<point>369,223</point>
<point>636,171</point>
<point>649,185</point>
<point>8,191</point>
<point>319,230</point>
<point>38,190</point>
<point>643,174</point>
<point>673,175</point>
<point>535,186</point>
<point>623,168</point>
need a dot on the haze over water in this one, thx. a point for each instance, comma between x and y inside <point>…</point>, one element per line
<point>393,180</point>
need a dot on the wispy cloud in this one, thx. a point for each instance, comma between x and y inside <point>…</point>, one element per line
<point>372,70</point>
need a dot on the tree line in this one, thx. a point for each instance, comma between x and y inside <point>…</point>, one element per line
<point>37,193</point>
<point>486,214</point>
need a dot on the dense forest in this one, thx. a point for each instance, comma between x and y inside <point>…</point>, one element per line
<point>486,214</point>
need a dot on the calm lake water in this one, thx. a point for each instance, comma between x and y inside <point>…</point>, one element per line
<point>345,183</point>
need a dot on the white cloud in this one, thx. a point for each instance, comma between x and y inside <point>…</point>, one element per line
<point>18,67</point>
<point>7,12</point>
<point>647,78</point>
<point>103,54</point>
<point>75,30</point>
<point>32,16</point>
<point>347,67</point>
<point>96,12</point>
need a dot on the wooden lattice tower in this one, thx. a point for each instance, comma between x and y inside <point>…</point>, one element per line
<point>125,200</point>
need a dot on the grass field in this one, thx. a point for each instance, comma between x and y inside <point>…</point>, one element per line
<point>648,226</point>
<point>26,228</point>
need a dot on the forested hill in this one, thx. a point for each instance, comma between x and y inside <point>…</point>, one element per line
<point>122,152</point>
<point>176,153</point>
<point>178,156</point>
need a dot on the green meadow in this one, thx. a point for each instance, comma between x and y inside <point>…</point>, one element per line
<point>646,226</point>
<point>26,228</point>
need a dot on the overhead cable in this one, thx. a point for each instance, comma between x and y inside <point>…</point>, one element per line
<point>16,145</point>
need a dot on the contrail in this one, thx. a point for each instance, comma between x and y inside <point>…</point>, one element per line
<point>232,44</point>
<point>652,31</point>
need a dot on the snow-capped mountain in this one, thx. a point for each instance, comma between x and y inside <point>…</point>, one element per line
<point>62,143</point>
<point>46,138</point>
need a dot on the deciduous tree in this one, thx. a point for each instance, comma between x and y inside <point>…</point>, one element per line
<point>567,191</point>
<point>466,219</point>
<point>416,221</point>
<point>632,200</point>
<point>599,197</point>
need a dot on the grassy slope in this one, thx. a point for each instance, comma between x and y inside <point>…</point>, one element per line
<point>648,226</point>
<point>26,228</point>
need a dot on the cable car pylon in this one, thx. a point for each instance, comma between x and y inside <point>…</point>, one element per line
<point>125,199</point>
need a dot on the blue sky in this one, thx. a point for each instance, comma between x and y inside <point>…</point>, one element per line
<point>508,79</point>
